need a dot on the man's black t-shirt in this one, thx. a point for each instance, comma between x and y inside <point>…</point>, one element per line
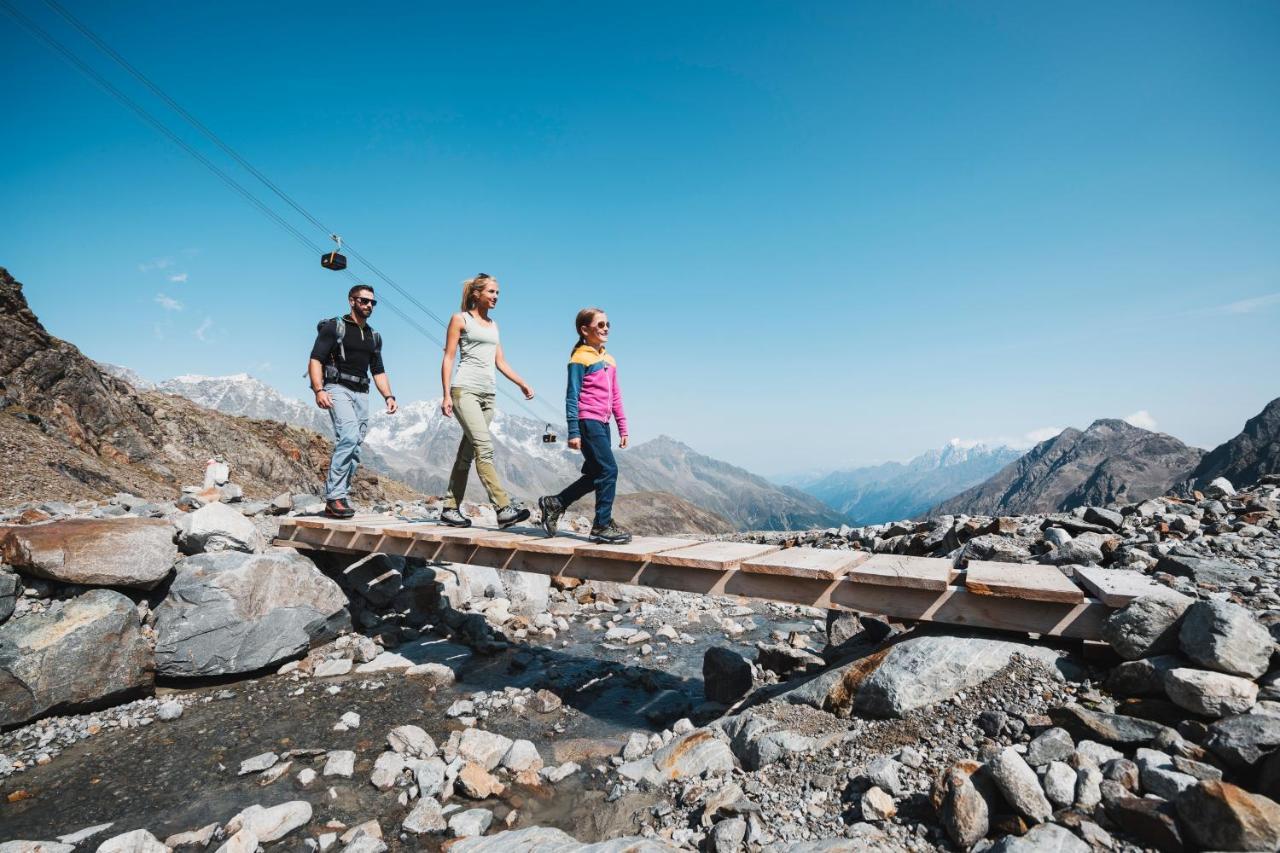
<point>358,343</point>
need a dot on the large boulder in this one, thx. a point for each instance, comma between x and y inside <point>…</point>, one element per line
<point>10,589</point>
<point>1225,637</point>
<point>217,527</point>
<point>913,673</point>
<point>232,612</point>
<point>88,652</point>
<point>1221,816</point>
<point>726,675</point>
<point>129,552</point>
<point>1244,740</point>
<point>1146,626</point>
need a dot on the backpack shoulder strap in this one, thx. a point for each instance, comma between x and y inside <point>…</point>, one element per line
<point>377,341</point>
<point>340,329</point>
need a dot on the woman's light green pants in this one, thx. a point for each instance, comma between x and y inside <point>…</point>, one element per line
<point>474,411</point>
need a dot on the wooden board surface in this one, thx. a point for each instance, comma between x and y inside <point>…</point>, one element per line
<point>826,563</point>
<point>533,541</point>
<point>1028,582</point>
<point>905,572</point>
<point>638,550</point>
<point>1117,587</point>
<point>712,555</point>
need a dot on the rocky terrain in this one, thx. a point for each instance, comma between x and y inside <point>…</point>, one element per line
<point>168,680</point>
<point>1247,457</point>
<point>417,446</point>
<point>1111,461</point>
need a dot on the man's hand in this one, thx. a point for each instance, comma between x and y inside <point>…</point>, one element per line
<point>446,406</point>
<point>622,442</point>
<point>392,408</point>
<point>575,444</point>
<point>323,400</point>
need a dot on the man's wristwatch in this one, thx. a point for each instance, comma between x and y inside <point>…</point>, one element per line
<point>389,397</point>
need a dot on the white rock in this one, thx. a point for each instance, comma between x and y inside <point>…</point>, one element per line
<point>340,762</point>
<point>484,748</point>
<point>386,770</point>
<point>412,741</point>
<point>426,816</point>
<point>258,763</point>
<point>470,822</point>
<point>138,841</point>
<point>333,667</point>
<point>88,832</point>
<point>556,774</point>
<point>522,755</point>
<point>271,824</point>
<point>351,720</point>
<point>170,710</point>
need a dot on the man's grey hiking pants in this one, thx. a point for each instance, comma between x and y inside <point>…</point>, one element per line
<point>350,416</point>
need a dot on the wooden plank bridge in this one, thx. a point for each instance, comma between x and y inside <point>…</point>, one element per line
<point>1029,599</point>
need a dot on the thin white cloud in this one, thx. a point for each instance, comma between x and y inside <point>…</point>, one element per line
<point>1021,442</point>
<point>1249,306</point>
<point>168,303</point>
<point>1141,419</point>
<point>202,332</point>
<point>1036,436</point>
<point>178,277</point>
<point>155,264</point>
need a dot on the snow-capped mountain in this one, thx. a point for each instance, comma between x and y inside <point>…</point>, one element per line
<point>896,490</point>
<point>418,444</point>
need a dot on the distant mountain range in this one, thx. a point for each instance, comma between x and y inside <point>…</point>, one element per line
<point>896,490</point>
<point>417,446</point>
<point>1111,461</point>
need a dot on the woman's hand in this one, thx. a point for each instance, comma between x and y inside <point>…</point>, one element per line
<point>446,406</point>
<point>575,444</point>
<point>526,391</point>
<point>622,442</point>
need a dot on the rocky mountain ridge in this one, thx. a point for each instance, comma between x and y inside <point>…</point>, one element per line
<point>1110,462</point>
<point>1251,455</point>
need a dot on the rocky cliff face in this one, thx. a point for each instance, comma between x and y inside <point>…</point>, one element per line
<point>70,430</point>
<point>1248,456</point>
<point>1110,462</point>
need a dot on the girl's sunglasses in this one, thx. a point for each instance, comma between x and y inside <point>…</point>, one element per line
<point>603,325</point>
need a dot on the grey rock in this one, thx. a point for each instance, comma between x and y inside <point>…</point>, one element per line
<point>1060,784</point>
<point>1221,816</point>
<point>1165,782</point>
<point>232,612</point>
<point>727,835</point>
<point>1220,487</point>
<point>1207,570</point>
<point>258,763</point>
<point>1105,517</point>
<point>1046,838</point>
<point>1151,821</point>
<point>726,675</point>
<point>697,753</point>
<point>1212,694</point>
<point>1225,637</point>
<point>1143,677</point>
<point>884,773</point>
<point>217,527</point>
<point>431,775</point>
<point>1146,626</point>
<point>411,741</point>
<point>912,673</point>
<point>1112,729</point>
<point>1075,552</point>
<point>1088,788</point>
<point>426,816</point>
<point>470,822</point>
<point>10,589</point>
<point>87,652</point>
<point>1242,741</point>
<point>1056,536</point>
<point>1018,783</point>
<point>1053,744</point>
<point>377,578</point>
<point>964,813</point>
<point>128,552</point>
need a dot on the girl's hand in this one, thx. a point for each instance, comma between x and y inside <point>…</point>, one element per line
<point>575,444</point>
<point>527,391</point>
<point>622,443</point>
<point>446,407</point>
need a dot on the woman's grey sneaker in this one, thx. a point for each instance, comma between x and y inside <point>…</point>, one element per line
<point>453,518</point>
<point>511,514</point>
<point>551,510</point>
<point>610,535</point>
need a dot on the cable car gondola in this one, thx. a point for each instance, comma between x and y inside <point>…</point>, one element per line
<point>549,437</point>
<point>334,260</point>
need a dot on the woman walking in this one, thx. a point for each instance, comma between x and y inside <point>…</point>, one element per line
<point>593,397</point>
<point>469,394</point>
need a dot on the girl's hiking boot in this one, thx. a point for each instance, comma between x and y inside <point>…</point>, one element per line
<point>551,510</point>
<point>511,514</point>
<point>610,534</point>
<point>453,518</point>
<point>338,508</point>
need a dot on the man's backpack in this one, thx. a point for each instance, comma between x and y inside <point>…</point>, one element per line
<point>331,372</point>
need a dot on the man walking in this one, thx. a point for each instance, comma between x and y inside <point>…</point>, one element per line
<point>346,352</point>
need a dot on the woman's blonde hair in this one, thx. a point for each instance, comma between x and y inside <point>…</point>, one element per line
<point>472,286</point>
<point>584,318</point>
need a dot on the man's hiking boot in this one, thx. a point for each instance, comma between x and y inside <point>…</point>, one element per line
<point>338,508</point>
<point>511,514</point>
<point>453,518</point>
<point>610,534</point>
<point>551,510</point>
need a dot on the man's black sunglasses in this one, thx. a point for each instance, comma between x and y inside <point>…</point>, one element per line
<point>364,300</point>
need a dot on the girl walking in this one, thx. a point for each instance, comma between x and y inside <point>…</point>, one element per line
<point>469,394</point>
<point>593,397</point>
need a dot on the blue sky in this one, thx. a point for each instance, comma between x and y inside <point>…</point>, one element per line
<point>826,233</point>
